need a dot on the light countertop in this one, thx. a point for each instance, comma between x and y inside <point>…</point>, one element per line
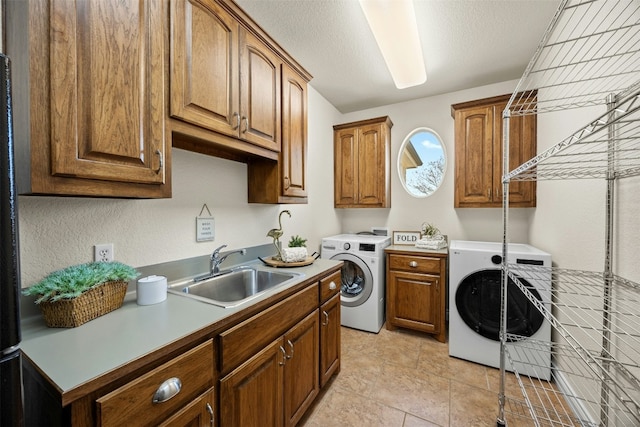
<point>71,357</point>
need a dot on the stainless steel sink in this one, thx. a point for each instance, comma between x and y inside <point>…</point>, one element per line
<point>234,287</point>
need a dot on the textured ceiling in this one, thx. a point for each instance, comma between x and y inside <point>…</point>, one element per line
<point>466,43</point>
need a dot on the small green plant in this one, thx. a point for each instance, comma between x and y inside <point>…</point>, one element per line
<point>72,281</point>
<point>297,242</point>
<point>429,230</point>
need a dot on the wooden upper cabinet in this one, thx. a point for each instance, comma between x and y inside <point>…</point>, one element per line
<point>259,93</point>
<point>362,164</point>
<point>478,154</point>
<point>285,181</point>
<point>294,134</point>
<point>205,66</point>
<point>223,77</point>
<point>92,89</point>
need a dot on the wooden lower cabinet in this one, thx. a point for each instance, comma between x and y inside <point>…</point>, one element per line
<point>416,290</point>
<point>252,394</point>
<point>329,338</point>
<point>277,385</point>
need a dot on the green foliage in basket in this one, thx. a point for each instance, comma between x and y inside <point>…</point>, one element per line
<point>72,281</point>
<point>297,242</point>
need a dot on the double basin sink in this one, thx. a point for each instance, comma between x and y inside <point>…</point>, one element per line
<point>236,286</point>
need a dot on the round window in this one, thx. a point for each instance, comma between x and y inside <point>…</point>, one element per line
<point>421,162</point>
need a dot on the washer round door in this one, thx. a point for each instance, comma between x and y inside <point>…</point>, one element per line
<point>357,280</point>
<point>478,304</point>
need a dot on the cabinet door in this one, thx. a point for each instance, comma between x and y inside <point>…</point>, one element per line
<point>522,147</point>
<point>294,134</point>
<point>204,66</point>
<point>474,157</point>
<point>251,395</point>
<point>329,339</point>
<point>414,301</point>
<point>107,97</point>
<point>198,413</point>
<point>372,168</point>
<point>346,165</point>
<point>301,383</point>
<point>259,93</point>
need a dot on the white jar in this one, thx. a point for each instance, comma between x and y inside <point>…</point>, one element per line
<point>151,290</point>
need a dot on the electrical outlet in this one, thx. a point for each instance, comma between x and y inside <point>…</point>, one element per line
<point>103,252</point>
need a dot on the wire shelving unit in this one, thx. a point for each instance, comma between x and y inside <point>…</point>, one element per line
<point>589,56</point>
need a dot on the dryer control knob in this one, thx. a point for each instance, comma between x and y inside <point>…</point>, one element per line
<point>347,246</point>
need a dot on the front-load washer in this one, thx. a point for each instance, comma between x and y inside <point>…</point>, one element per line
<point>475,277</point>
<point>362,291</point>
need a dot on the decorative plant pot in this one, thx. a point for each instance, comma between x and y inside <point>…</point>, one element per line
<point>294,254</point>
<point>69,313</point>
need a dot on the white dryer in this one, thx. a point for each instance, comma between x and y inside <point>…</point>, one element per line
<point>475,278</point>
<point>362,291</point>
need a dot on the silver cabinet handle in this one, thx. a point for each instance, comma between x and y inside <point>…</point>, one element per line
<point>167,390</point>
<point>246,124</point>
<point>332,285</point>
<point>237,117</point>
<point>284,356</point>
<point>291,346</point>
<point>211,415</point>
<point>287,183</point>
<point>326,318</point>
<point>413,264</point>
<point>160,162</point>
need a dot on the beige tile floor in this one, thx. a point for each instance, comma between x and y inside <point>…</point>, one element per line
<point>405,379</point>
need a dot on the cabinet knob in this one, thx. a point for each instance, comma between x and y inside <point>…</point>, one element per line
<point>287,184</point>
<point>413,264</point>
<point>332,286</point>
<point>246,124</point>
<point>167,390</point>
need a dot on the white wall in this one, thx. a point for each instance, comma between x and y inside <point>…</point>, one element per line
<point>56,232</point>
<point>407,213</point>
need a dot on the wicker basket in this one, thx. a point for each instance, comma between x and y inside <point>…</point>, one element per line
<point>69,313</point>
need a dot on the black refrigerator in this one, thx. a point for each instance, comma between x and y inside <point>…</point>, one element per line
<point>11,395</point>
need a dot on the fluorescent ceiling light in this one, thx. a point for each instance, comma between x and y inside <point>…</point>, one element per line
<point>394,26</point>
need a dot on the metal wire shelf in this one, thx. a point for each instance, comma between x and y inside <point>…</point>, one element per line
<point>576,312</point>
<point>590,50</point>
<point>589,56</point>
<point>554,402</point>
<point>589,152</point>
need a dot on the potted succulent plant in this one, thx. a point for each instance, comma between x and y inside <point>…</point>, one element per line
<point>77,294</point>
<point>430,230</point>
<point>296,251</point>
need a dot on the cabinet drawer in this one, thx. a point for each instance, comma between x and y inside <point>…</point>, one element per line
<point>413,263</point>
<point>329,286</point>
<point>245,339</point>
<point>132,404</point>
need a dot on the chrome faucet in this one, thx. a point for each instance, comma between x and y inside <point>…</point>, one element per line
<point>216,259</point>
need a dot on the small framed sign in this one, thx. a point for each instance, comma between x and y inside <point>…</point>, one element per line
<point>406,237</point>
<point>205,229</point>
